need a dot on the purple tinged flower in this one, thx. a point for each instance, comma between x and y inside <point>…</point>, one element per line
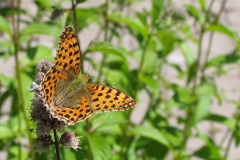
<point>43,128</point>
<point>69,140</point>
<point>38,110</point>
<point>43,66</point>
<point>34,87</point>
<point>39,77</point>
<point>43,143</point>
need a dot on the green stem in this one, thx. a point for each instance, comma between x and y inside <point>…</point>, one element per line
<point>191,110</point>
<point>15,39</point>
<point>212,33</point>
<point>105,39</point>
<point>232,135</point>
<point>56,144</point>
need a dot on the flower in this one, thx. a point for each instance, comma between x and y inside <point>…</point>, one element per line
<point>69,140</point>
<point>43,143</point>
<point>43,66</point>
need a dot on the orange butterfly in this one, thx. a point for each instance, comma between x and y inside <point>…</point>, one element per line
<point>66,93</point>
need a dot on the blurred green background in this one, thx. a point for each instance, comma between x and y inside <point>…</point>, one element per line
<point>178,59</point>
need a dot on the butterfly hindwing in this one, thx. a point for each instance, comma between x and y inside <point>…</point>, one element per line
<point>105,99</point>
<point>73,114</point>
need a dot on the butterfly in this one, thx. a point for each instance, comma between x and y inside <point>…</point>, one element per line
<point>66,92</point>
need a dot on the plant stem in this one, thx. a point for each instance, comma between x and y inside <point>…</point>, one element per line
<point>191,110</point>
<point>212,33</point>
<point>90,157</point>
<point>105,39</point>
<point>56,144</point>
<point>15,39</point>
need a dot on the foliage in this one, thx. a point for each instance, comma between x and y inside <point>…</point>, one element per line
<point>136,69</point>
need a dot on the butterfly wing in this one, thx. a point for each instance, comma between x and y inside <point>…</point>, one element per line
<point>68,53</point>
<point>49,84</point>
<point>105,99</point>
<point>73,114</point>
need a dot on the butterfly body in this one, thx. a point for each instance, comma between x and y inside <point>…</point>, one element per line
<point>68,95</point>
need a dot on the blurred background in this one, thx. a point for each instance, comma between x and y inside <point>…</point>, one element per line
<point>178,59</point>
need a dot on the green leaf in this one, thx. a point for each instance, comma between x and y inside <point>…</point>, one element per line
<point>87,16</point>
<point>99,147</point>
<point>151,133</point>
<point>47,4</point>
<point>40,28</point>
<point>104,123</point>
<point>7,48</point>
<point>156,9</point>
<point>210,150</point>
<point>224,30</point>
<point>80,1</point>
<point>150,82</point>
<point>5,131</point>
<point>188,53</point>
<point>34,55</point>
<point>168,38</point>
<point>132,23</point>
<point>230,123</point>
<point>202,108</point>
<point>183,96</point>
<point>15,154</point>
<point>108,48</point>
<point>4,26</point>
<point>220,60</point>
<point>202,4</point>
<point>196,13</point>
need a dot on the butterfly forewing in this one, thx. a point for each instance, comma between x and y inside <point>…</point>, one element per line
<point>68,53</point>
<point>49,85</point>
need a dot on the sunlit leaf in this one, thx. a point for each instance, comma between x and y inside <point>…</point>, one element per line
<point>100,147</point>
<point>4,26</point>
